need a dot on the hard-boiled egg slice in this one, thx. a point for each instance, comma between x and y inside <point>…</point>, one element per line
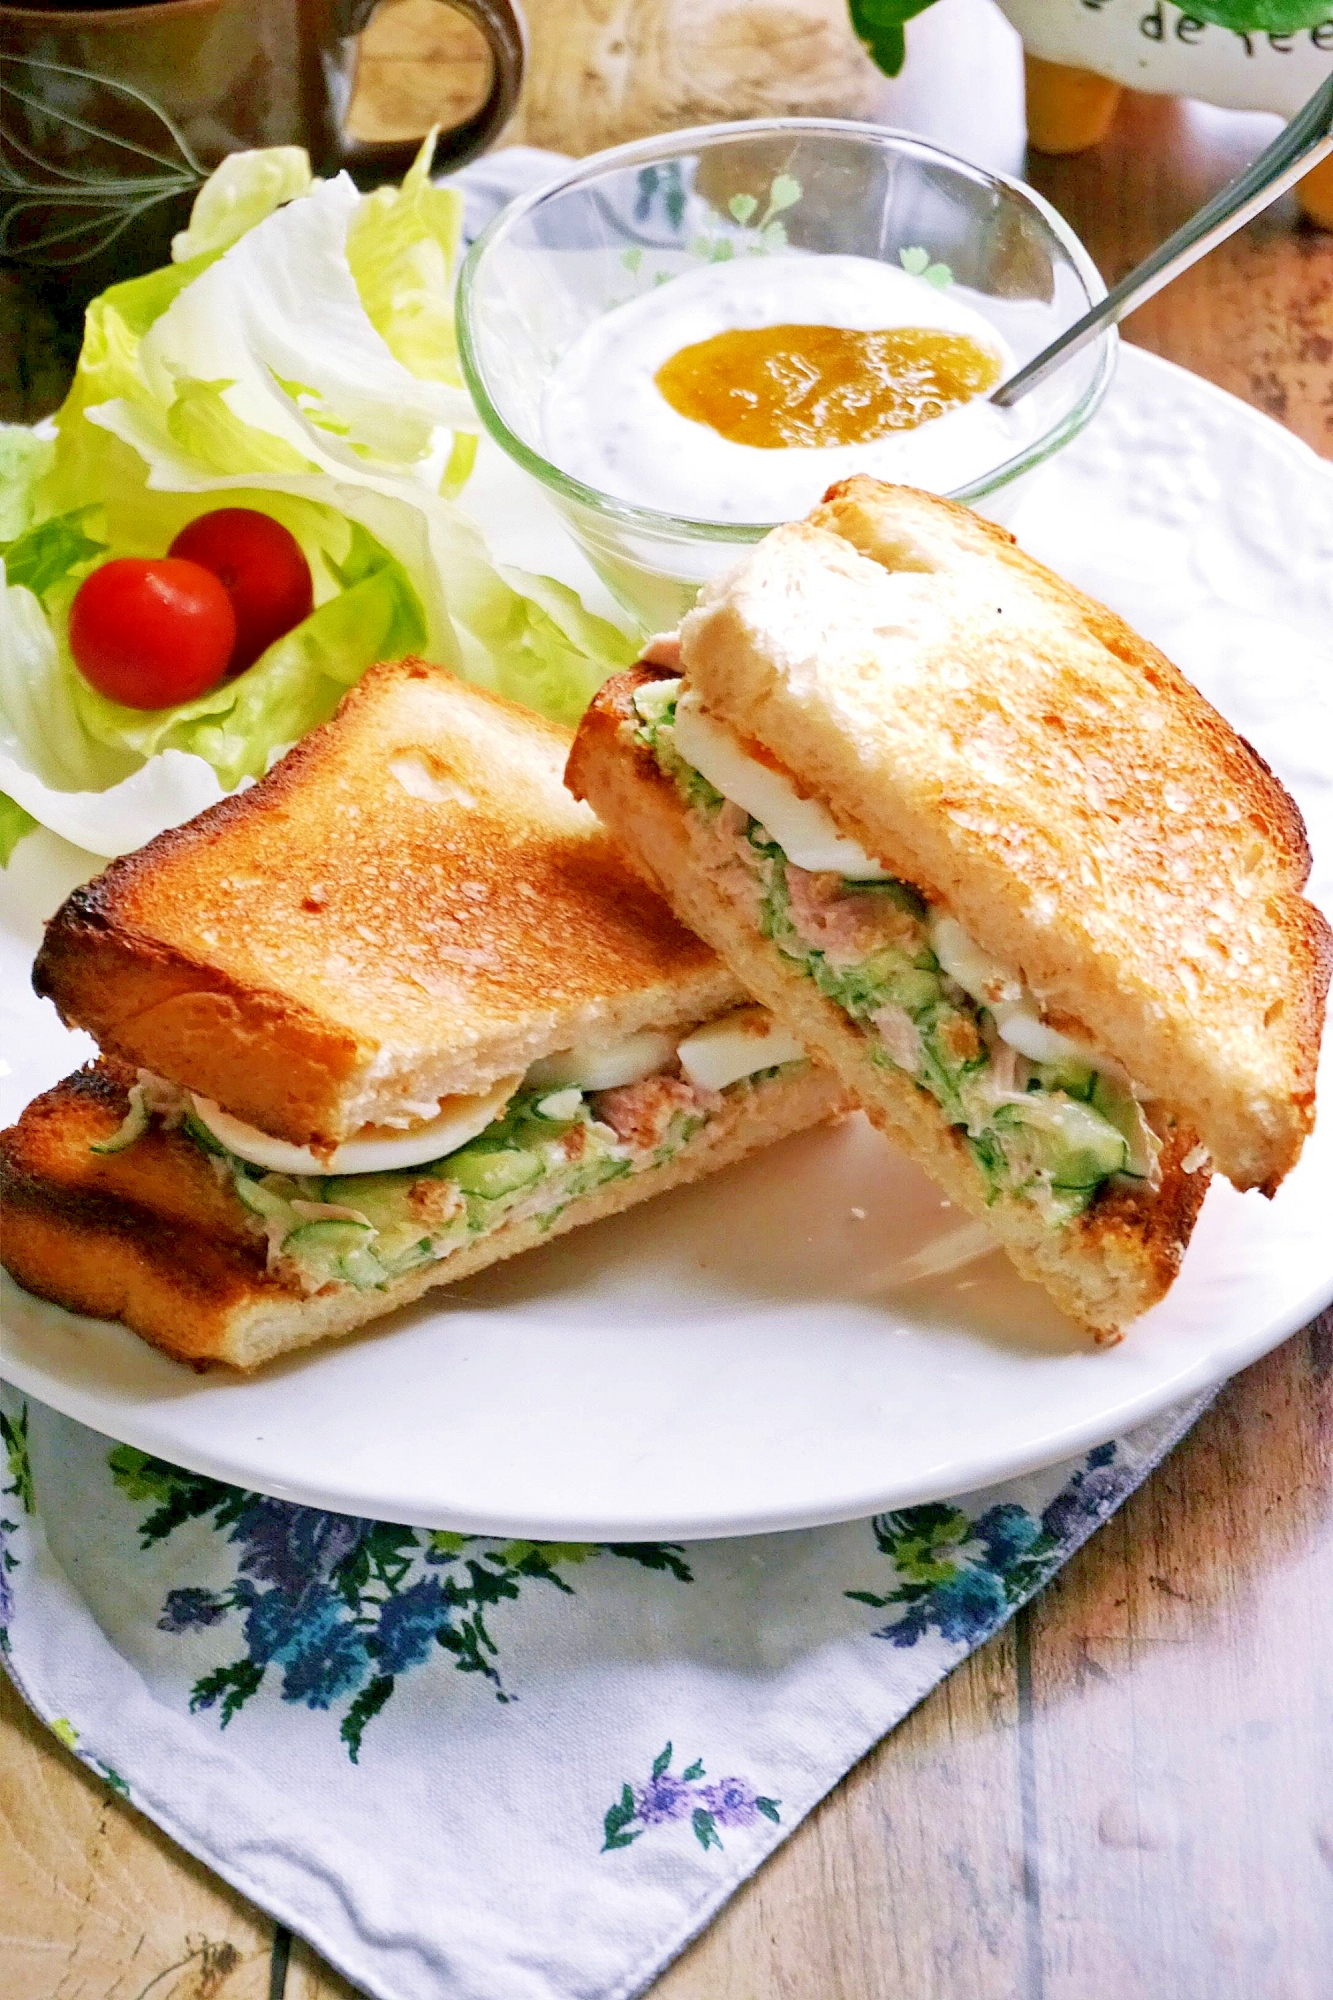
<point>980,975</point>
<point>626,1061</point>
<point>374,1150</point>
<point>734,1046</point>
<point>802,828</point>
<point>1016,1011</point>
<point>1024,1030</point>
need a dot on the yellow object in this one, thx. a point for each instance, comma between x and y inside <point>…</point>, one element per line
<point>775,386</point>
<point>1068,109</point>
<point>1315,193</point>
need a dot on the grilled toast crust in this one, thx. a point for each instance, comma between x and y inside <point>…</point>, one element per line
<point>1104,1268</point>
<point>150,1236</point>
<point>1013,748</point>
<point>407,907</point>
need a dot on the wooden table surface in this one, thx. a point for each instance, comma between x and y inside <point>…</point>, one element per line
<point>1127,1794</point>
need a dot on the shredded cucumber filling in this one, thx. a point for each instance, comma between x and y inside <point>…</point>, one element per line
<point>1050,1133</point>
<point>544,1151</point>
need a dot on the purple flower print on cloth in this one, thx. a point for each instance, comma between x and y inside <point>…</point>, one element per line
<point>664,1798</point>
<point>731,1801</point>
<point>671,1796</point>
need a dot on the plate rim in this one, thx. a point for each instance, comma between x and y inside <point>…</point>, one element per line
<point>1194,1381</point>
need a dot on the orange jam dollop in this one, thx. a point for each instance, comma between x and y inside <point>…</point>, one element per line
<point>776,386</point>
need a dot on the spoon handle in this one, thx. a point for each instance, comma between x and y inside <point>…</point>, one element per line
<point>1297,147</point>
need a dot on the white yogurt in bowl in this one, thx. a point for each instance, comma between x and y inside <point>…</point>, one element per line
<point>606,421</point>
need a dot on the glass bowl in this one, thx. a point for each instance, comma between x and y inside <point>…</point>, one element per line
<point>638,216</point>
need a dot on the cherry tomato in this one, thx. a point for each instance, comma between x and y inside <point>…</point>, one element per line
<point>262,570</point>
<point>151,633</point>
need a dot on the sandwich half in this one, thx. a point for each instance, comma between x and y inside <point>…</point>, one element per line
<point>396,1012</point>
<point>986,851</point>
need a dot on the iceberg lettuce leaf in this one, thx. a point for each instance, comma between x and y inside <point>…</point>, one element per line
<point>402,244</point>
<point>239,193</point>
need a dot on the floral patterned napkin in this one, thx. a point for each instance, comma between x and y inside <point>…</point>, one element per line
<point>466,1768</point>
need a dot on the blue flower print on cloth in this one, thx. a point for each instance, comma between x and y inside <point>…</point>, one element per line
<point>441,1758</point>
<point>342,1607</point>
<point>961,1575</point>
<point>667,1797</point>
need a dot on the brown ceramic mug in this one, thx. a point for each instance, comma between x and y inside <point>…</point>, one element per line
<point>112,116</point>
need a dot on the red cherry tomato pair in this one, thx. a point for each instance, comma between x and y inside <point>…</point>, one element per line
<point>155,632</point>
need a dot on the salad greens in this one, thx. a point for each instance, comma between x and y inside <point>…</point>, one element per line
<point>298,357</point>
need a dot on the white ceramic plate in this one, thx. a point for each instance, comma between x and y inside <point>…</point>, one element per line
<point>752,1353</point>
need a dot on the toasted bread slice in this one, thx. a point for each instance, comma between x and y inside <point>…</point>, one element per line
<point>993,736</point>
<point>1103,1268</point>
<point>408,907</point>
<point>152,1237</point>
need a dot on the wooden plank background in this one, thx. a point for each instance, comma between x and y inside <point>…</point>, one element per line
<point>1128,1794</point>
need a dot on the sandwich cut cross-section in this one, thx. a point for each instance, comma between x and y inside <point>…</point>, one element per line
<point>362,1036</point>
<point>989,854</point>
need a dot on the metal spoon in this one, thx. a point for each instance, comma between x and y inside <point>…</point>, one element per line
<point>1297,147</point>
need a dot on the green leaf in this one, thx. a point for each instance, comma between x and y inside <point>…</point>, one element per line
<point>15,1437</point>
<point>364,1709</point>
<point>696,1770</point>
<point>138,1476</point>
<point>769,1808</point>
<point>938,275</point>
<point>742,207</point>
<point>784,193</point>
<point>232,1685</point>
<point>879,26</point>
<point>654,1555</point>
<point>705,1831</point>
<point>1265,17</point>
<point>43,556</point>
<point>14,823</point>
<point>632,258</point>
<point>618,1817</point>
<point>773,235</point>
<point>661,1761</point>
<point>868,1597</point>
<point>915,261</point>
<point>184,1496</point>
<point>444,1542</point>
